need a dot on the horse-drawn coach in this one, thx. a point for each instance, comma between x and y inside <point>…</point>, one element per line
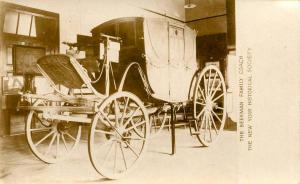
<point>137,73</point>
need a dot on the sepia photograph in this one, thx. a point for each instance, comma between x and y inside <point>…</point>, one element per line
<point>149,91</point>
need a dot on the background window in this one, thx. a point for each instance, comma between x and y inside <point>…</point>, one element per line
<point>30,25</point>
<point>10,22</point>
<point>24,24</point>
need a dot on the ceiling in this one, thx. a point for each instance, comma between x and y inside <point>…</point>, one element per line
<point>205,8</point>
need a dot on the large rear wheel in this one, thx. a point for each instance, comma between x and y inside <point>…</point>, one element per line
<point>209,104</point>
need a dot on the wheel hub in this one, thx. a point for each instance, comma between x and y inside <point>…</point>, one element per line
<point>62,127</point>
<point>121,129</point>
<point>209,105</point>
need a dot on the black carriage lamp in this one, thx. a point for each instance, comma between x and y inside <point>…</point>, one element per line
<point>189,5</point>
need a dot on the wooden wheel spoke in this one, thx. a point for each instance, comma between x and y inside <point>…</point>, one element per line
<point>136,129</point>
<point>64,142</point>
<point>107,119</point>
<point>124,110</point>
<point>213,123</point>
<point>131,149</point>
<point>57,145</point>
<point>205,127</point>
<point>200,103</point>
<point>69,135</point>
<point>215,90</point>
<point>110,123</point>
<point>104,132</point>
<point>213,83</point>
<point>117,112</point>
<point>202,122</point>
<point>33,130</point>
<point>110,141</point>
<point>116,155</point>
<point>123,156</point>
<point>134,126</point>
<point>209,128</point>
<point>118,104</point>
<point>50,144</point>
<point>201,92</point>
<point>139,134</point>
<point>208,82</point>
<point>108,152</point>
<point>201,112</point>
<point>216,116</point>
<point>215,99</point>
<point>44,138</point>
<point>205,85</point>
<point>132,115</point>
<point>219,108</point>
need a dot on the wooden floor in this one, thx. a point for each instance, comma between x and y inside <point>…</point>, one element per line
<point>191,163</point>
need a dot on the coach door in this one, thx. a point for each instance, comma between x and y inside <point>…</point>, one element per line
<point>177,87</point>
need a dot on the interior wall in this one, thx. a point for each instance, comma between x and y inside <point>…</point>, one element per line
<point>80,16</point>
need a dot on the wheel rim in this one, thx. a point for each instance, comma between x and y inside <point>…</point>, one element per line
<point>118,135</point>
<point>209,105</point>
<point>51,141</point>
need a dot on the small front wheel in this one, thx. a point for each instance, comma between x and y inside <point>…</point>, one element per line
<point>50,140</point>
